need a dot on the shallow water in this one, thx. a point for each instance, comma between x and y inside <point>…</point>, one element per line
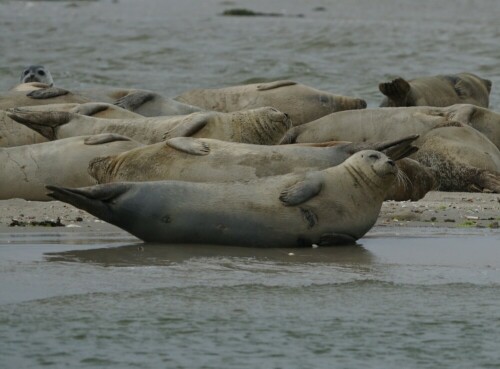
<point>422,299</point>
<point>410,300</point>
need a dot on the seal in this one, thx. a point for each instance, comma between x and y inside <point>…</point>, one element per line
<point>263,126</point>
<point>209,160</point>
<point>36,73</point>
<point>440,90</point>
<point>337,205</point>
<point>92,109</point>
<point>15,134</point>
<point>302,103</point>
<point>27,169</point>
<point>413,182</point>
<point>463,158</point>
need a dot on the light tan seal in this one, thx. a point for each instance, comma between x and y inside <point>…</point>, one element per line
<point>302,103</point>
<point>337,205</point>
<point>441,90</point>
<point>27,169</point>
<point>92,109</point>
<point>14,134</point>
<point>263,126</point>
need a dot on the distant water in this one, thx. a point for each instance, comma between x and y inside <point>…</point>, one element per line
<point>397,301</point>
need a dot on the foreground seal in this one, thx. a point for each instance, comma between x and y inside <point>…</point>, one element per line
<point>302,103</point>
<point>337,205</point>
<point>441,90</point>
<point>27,169</point>
<point>36,73</point>
<point>263,126</point>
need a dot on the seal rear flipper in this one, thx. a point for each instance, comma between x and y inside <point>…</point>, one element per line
<point>394,149</point>
<point>105,138</point>
<point>189,145</point>
<point>47,93</point>
<point>334,239</point>
<point>135,99</point>
<point>90,109</point>
<point>302,191</point>
<point>275,84</point>
<point>96,200</point>
<point>397,91</point>
<point>188,127</point>
<point>44,122</point>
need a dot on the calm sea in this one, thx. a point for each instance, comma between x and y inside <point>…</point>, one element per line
<point>410,300</point>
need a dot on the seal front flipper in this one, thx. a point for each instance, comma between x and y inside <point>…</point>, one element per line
<point>189,145</point>
<point>105,138</point>
<point>189,126</point>
<point>44,122</point>
<point>334,239</point>
<point>302,191</point>
<point>396,91</point>
<point>47,93</point>
<point>90,109</point>
<point>275,84</point>
<point>135,99</point>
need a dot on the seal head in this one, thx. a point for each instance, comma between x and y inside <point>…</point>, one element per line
<point>36,73</point>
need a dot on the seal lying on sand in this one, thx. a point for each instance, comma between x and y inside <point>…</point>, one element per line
<point>441,90</point>
<point>337,205</point>
<point>27,169</point>
<point>91,109</point>
<point>36,73</point>
<point>260,126</point>
<point>302,103</point>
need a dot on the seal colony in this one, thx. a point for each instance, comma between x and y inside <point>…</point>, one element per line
<point>206,167</point>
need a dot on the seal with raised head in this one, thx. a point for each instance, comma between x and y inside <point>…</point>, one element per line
<point>36,73</point>
<point>302,103</point>
<point>263,126</point>
<point>27,169</point>
<point>441,90</point>
<point>337,205</point>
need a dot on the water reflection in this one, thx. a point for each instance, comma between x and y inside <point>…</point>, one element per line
<point>160,254</point>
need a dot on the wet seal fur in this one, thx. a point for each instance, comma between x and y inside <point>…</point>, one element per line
<point>302,103</point>
<point>337,205</point>
<point>27,169</point>
<point>263,126</point>
<point>441,90</point>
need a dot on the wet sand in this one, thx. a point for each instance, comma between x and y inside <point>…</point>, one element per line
<point>436,210</point>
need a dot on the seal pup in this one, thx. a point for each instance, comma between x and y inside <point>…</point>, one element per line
<point>27,169</point>
<point>440,90</point>
<point>36,73</point>
<point>263,126</point>
<point>210,160</point>
<point>302,103</point>
<point>337,205</point>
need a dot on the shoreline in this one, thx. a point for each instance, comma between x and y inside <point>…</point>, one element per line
<point>442,210</point>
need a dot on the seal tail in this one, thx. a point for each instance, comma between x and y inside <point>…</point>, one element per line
<point>397,91</point>
<point>96,200</point>
<point>44,122</point>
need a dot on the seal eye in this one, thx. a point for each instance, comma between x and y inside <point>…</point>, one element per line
<point>26,72</point>
<point>374,156</point>
<point>41,72</point>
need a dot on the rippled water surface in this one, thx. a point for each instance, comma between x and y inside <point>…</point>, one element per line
<point>418,300</point>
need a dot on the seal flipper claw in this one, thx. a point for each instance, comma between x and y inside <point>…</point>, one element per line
<point>189,127</point>
<point>47,93</point>
<point>397,91</point>
<point>189,145</point>
<point>44,122</point>
<point>302,191</point>
<point>135,99</point>
<point>334,239</point>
